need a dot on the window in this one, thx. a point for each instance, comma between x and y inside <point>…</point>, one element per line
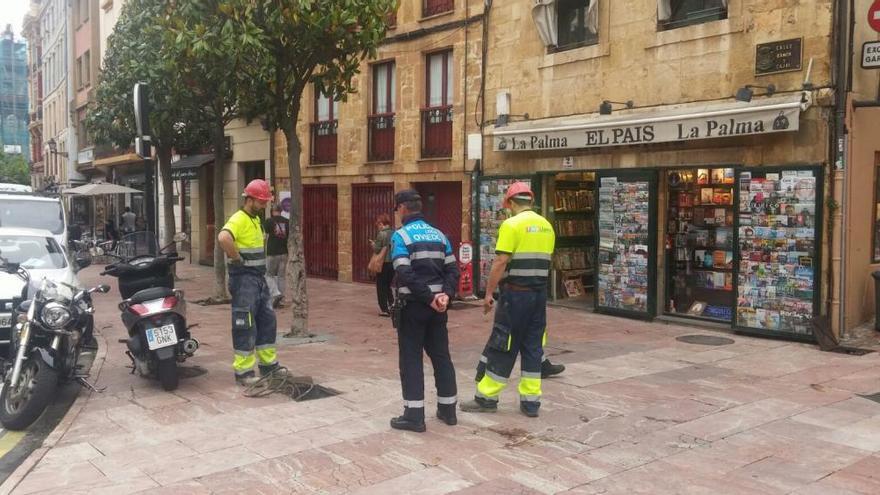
<point>323,130</point>
<point>577,23</point>
<point>87,69</point>
<point>673,14</point>
<point>437,115</point>
<point>83,11</point>
<point>380,123</point>
<point>434,7</point>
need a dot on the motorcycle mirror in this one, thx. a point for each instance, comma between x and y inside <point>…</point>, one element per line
<point>103,288</point>
<point>179,237</point>
<point>83,261</point>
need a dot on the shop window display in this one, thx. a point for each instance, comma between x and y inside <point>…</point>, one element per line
<point>492,214</point>
<point>573,198</point>
<point>700,244</point>
<point>625,253</point>
<point>779,224</point>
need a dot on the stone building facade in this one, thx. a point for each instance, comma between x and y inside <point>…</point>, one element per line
<point>681,75</point>
<point>405,127</point>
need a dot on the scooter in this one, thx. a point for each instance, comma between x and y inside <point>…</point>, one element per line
<point>152,310</point>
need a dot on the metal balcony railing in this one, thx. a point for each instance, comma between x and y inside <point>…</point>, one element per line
<point>380,128</point>
<point>437,132</point>
<point>434,7</point>
<point>323,142</point>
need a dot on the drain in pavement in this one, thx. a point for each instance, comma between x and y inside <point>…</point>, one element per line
<point>705,340</point>
<point>318,392</point>
<point>851,351</point>
<point>873,397</point>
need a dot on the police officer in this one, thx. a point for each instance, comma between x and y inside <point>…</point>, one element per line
<point>253,319</point>
<point>522,266</point>
<point>427,278</point>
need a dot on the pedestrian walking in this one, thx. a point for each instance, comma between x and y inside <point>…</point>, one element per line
<point>253,319</point>
<point>427,278</point>
<point>521,267</point>
<point>129,221</point>
<point>277,230</point>
<point>384,278</point>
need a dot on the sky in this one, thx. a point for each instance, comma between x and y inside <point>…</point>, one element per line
<point>12,12</point>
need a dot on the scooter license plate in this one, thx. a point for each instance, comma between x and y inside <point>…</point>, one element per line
<point>5,320</point>
<point>161,337</point>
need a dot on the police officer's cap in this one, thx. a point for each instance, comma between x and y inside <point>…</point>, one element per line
<point>406,195</point>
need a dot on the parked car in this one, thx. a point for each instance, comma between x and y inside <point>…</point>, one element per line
<point>39,253</point>
<point>32,211</point>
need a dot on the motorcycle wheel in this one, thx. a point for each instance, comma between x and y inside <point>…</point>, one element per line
<point>167,371</point>
<point>20,406</point>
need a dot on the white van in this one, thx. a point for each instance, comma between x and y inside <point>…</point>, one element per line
<point>15,188</point>
<point>30,211</point>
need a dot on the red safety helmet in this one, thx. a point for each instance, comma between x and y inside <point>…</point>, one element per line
<point>518,189</point>
<point>259,190</point>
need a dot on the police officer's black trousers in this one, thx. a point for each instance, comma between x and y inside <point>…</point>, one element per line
<point>422,328</point>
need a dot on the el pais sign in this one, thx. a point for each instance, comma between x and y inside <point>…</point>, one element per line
<point>646,131</point>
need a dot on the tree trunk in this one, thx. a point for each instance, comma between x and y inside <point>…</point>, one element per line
<point>164,154</point>
<point>296,262</point>
<point>220,290</point>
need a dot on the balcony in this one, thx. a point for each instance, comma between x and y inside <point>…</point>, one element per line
<point>323,142</point>
<point>434,7</point>
<point>380,129</point>
<point>437,132</point>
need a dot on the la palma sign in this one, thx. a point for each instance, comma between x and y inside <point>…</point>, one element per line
<point>594,134</point>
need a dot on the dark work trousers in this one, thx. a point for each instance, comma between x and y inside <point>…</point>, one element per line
<point>520,321</point>
<point>383,287</point>
<point>423,329</point>
<point>253,322</point>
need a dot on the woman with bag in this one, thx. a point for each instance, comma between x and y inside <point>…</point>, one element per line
<point>380,264</point>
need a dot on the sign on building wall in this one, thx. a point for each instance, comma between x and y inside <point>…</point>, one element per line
<point>778,56</point>
<point>871,55</point>
<point>596,133</point>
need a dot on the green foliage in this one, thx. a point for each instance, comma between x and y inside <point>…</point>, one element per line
<point>134,54</point>
<point>291,43</point>
<point>14,168</point>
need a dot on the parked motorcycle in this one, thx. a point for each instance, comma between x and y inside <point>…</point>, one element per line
<point>45,345</point>
<point>152,310</point>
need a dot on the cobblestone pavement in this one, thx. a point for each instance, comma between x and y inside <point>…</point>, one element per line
<point>635,412</point>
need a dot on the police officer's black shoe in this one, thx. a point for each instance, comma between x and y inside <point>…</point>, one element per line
<point>404,423</point>
<point>530,409</point>
<point>549,369</point>
<point>446,413</point>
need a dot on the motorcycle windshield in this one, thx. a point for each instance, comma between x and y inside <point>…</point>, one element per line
<point>138,244</point>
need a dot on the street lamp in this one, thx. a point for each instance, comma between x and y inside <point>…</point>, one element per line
<point>53,146</point>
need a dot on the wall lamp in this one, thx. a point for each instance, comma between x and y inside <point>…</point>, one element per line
<point>53,147</point>
<point>502,109</point>
<point>606,109</point>
<point>745,93</point>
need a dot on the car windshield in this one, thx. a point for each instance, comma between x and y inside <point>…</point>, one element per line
<point>32,251</point>
<point>32,214</point>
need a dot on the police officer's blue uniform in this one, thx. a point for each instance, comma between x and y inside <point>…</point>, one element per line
<point>425,266</point>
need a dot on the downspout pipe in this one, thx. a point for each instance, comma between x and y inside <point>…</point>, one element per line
<point>842,37</point>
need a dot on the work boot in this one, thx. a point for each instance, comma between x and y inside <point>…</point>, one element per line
<point>411,420</point>
<point>549,369</point>
<point>530,409</point>
<point>479,405</point>
<point>267,370</point>
<point>247,379</point>
<point>446,413</point>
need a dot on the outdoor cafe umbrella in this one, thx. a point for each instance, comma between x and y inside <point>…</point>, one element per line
<point>99,189</point>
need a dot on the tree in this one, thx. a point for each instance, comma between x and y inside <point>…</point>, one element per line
<point>202,47</point>
<point>134,55</point>
<point>291,44</point>
<point>13,168</point>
